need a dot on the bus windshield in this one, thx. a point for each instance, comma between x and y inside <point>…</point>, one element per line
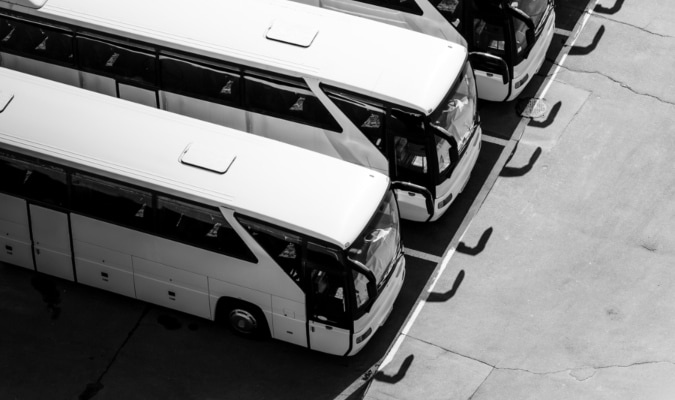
<point>456,115</point>
<point>377,247</point>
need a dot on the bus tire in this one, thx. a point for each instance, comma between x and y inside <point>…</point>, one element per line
<point>242,318</point>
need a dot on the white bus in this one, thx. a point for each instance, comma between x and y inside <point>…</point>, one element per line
<point>507,40</point>
<point>269,238</point>
<point>393,100</point>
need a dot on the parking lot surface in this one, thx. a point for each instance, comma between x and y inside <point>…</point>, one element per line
<point>561,285</point>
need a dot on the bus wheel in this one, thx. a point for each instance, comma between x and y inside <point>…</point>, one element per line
<point>245,320</point>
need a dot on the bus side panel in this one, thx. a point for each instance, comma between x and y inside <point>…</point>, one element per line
<point>99,84</point>
<point>218,289</point>
<point>104,268</point>
<point>171,287</point>
<point>42,69</point>
<point>203,110</point>
<point>15,241</point>
<point>289,321</point>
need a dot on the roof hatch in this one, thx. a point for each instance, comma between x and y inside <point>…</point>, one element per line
<point>292,33</point>
<point>207,157</point>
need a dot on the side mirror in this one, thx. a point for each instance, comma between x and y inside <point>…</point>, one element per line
<point>411,187</point>
<point>490,63</point>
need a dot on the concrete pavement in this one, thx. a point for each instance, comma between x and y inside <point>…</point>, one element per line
<point>562,285</point>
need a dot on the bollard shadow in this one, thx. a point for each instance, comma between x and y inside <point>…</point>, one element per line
<point>584,50</point>
<point>382,377</point>
<point>549,119</point>
<point>609,10</point>
<point>435,297</point>
<point>512,172</point>
<point>480,246</point>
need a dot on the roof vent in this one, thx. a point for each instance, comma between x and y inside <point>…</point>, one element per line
<point>292,33</point>
<point>5,98</point>
<point>207,157</point>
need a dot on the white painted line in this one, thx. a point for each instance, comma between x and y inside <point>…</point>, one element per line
<point>564,32</point>
<point>495,140</point>
<point>418,309</point>
<point>421,255</point>
<point>564,57</point>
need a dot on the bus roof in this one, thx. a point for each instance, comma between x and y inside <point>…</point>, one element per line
<point>371,58</point>
<point>295,188</point>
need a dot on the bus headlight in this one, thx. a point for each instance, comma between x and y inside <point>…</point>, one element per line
<point>364,336</point>
<point>520,82</point>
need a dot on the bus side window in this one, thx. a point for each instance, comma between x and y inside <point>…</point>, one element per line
<point>328,290</point>
<point>369,118</point>
<point>199,81</point>
<point>36,41</point>
<point>34,180</point>
<point>284,247</point>
<point>200,226</point>
<point>488,37</point>
<point>410,147</point>
<point>451,10</point>
<point>116,61</point>
<point>293,101</point>
<point>409,6</point>
<point>112,201</point>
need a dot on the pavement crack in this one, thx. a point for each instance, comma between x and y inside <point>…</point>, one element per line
<point>640,28</point>
<point>618,82</point>
<point>93,388</point>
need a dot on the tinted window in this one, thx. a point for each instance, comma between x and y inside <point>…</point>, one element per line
<point>199,81</point>
<point>367,116</point>
<point>199,226</point>
<point>111,201</point>
<point>451,10</point>
<point>36,41</point>
<point>293,101</point>
<point>34,180</point>
<point>116,61</point>
<point>408,6</point>
<point>284,247</point>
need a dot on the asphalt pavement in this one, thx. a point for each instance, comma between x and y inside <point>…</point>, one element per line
<point>561,285</point>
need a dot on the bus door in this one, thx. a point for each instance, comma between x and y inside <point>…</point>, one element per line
<point>37,195</point>
<point>117,70</point>
<point>329,318</point>
<point>51,241</point>
<point>411,155</point>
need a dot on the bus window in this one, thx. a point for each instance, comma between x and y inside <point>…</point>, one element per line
<point>328,295</point>
<point>288,100</point>
<point>36,181</point>
<point>116,61</point>
<point>369,118</point>
<point>409,146</point>
<point>409,6</point>
<point>283,247</point>
<point>36,41</point>
<point>199,81</point>
<point>199,226</point>
<point>111,201</point>
<point>451,10</point>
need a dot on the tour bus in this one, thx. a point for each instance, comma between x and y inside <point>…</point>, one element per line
<point>507,40</point>
<point>393,100</point>
<point>268,238</point>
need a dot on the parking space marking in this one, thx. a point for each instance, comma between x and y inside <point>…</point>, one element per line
<point>495,140</point>
<point>588,12</point>
<point>421,255</point>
